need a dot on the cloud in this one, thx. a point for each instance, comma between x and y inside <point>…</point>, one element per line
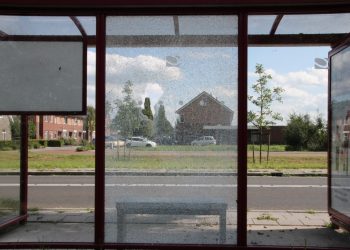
<point>139,69</point>
<point>304,77</point>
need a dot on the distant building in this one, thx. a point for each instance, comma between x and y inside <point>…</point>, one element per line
<point>5,128</point>
<point>59,127</point>
<point>277,135</point>
<point>205,115</point>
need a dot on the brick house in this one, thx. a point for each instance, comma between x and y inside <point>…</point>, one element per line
<point>59,127</point>
<point>5,128</point>
<point>205,115</point>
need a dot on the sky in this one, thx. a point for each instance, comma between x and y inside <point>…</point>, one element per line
<point>175,81</point>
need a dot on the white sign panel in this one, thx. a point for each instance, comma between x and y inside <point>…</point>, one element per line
<point>37,76</point>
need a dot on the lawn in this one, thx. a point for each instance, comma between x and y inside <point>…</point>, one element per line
<point>208,158</point>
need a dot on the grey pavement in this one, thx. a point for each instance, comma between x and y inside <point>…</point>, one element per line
<point>289,228</point>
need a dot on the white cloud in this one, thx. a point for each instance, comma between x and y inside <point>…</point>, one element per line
<point>304,77</point>
<point>140,69</point>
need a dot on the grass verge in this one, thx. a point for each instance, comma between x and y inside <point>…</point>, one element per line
<point>163,158</point>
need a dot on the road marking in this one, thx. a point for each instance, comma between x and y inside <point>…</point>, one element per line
<point>164,185</point>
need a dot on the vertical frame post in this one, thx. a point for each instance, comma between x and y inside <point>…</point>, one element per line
<point>100,129</point>
<point>242,130</point>
<point>24,167</point>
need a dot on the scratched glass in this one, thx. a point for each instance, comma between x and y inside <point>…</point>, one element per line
<point>60,207</point>
<point>171,129</point>
<point>9,163</point>
<point>340,160</point>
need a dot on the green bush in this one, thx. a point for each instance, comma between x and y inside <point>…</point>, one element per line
<point>55,143</point>
<point>9,145</point>
<point>85,148</point>
<point>37,144</point>
<point>70,141</point>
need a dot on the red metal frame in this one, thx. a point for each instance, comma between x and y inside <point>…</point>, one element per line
<point>100,129</point>
<point>242,129</point>
<point>337,217</point>
<point>24,167</point>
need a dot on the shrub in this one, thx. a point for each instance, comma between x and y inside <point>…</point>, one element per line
<point>54,143</point>
<point>70,141</point>
<point>303,133</point>
<point>37,144</point>
<point>85,148</point>
<point>9,145</point>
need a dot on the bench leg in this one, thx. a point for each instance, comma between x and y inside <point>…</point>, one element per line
<point>121,226</point>
<point>222,225</point>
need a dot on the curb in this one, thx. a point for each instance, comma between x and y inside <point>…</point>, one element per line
<point>134,173</point>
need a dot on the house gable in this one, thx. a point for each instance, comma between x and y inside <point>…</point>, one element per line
<point>207,110</point>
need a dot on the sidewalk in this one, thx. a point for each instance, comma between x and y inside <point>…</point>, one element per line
<point>296,228</point>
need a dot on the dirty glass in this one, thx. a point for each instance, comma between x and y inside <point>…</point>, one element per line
<point>9,167</point>
<point>340,105</point>
<point>171,130</point>
<point>314,24</point>
<point>61,156</point>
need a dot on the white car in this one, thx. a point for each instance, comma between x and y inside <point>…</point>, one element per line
<point>113,142</point>
<point>140,142</point>
<point>203,141</point>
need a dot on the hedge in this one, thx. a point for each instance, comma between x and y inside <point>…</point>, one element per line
<point>9,145</point>
<point>37,143</point>
<point>55,143</point>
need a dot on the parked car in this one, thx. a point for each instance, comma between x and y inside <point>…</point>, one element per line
<point>140,142</point>
<point>203,141</point>
<point>113,142</point>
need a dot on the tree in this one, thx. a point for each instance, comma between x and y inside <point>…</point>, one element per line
<point>90,122</point>
<point>265,96</point>
<point>147,111</point>
<point>302,133</point>
<point>163,126</point>
<point>128,116</point>
<point>15,126</point>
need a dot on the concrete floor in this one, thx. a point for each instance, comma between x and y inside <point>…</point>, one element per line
<point>284,228</point>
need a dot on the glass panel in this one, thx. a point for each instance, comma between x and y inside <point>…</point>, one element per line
<point>171,125</point>
<point>340,104</point>
<point>260,25</point>
<point>89,24</point>
<point>9,167</point>
<point>38,25</point>
<point>314,24</point>
<point>207,25</point>
<point>141,25</point>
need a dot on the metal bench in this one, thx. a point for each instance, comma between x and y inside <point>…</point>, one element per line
<point>170,208</point>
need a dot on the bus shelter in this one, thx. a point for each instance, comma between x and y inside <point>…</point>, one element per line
<point>44,71</point>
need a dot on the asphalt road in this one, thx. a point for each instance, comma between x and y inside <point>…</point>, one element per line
<point>264,193</point>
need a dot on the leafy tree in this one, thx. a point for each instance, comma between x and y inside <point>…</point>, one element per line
<point>163,126</point>
<point>128,116</point>
<point>302,133</point>
<point>90,122</point>
<point>265,96</point>
<point>147,111</point>
<point>15,126</point>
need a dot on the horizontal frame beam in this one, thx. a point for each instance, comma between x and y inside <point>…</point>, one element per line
<point>194,40</point>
